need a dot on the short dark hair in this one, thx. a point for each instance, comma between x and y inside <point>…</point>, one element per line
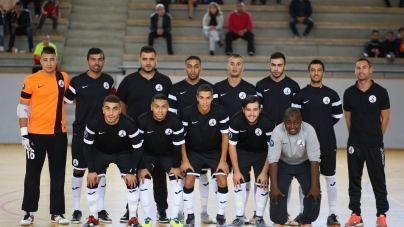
<point>95,50</point>
<point>204,87</point>
<point>364,59</point>
<point>292,112</point>
<point>193,57</point>
<point>112,99</point>
<point>159,96</point>
<point>48,50</point>
<point>148,49</point>
<point>390,32</point>
<point>316,62</point>
<point>401,29</point>
<point>18,3</point>
<point>278,55</point>
<point>235,56</point>
<point>251,99</point>
<point>239,2</point>
<point>375,30</point>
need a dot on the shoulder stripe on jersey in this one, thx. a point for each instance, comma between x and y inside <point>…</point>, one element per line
<point>178,143</point>
<point>337,115</point>
<point>72,89</point>
<point>232,130</point>
<point>336,103</point>
<point>224,131</point>
<point>170,96</point>
<point>232,142</point>
<point>179,131</point>
<point>89,131</point>
<point>185,123</point>
<point>172,110</point>
<point>67,100</point>
<point>296,106</point>
<point>259,94</point>
<point>134,134</point>
<point>25,95</point>
<point>137,145</point>
<point>224,120</point>
<point>141,131</point>
<point>215,96</point>
<point>88,141</point>
<point>268,133</point>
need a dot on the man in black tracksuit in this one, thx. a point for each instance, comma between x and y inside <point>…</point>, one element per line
<point>160,25</point>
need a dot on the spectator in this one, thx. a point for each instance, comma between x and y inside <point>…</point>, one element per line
<point>212,26</point>
<point>21,24</point>
<point>7,6</point>
<point>375,47</point>
<point>240,25</point>
<point>37,5</point>
<point>400,43</point>
<point>263,2</point>
<point>38,52</point>
<point>300,12</point>
<point>51,10</point>
<point>389,5</point>
<point>191,5</point>
<point>391,47</point>
<point>165,3</point>
<point>160,25</point>
<point>2,26</point>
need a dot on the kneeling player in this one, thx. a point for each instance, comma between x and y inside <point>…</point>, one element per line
<point>163,135</point>
<point>249,135</point>
<point>112,137</point>
<point>206,127</point>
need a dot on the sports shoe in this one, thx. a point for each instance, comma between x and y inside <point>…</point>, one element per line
<point>27,219</point>
<point>289,220</point>
<point>55,218</point>
<point>220,221</point>
<point>237,222</point>
<point>181,215</point>
<point>125,217</point>
<point>133,222</point>
<point>259,221</point>
<point>162,216</point>
<point>246,221</point>
<point>147,222</point>
<point>332,221</point>
<point>190,222</point>
<point>91,222</point>
<point>175,222</point>
<point>103,217</point>
<point>307,225</point>
<point>205,218</point>
<point>252,219</point>
<point>354,221</point>
<point>76,216</point>
<point>296,221</point>
<point>381,221</point>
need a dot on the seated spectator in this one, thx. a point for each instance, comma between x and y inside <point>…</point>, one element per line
<point>37,5</point>
<point>160,25</point>
<point>400,42</point>
<point>7,6</point>
<point>2,28</point>
<point>165,3</point>
<point>191,5</point>
<point>263,2</point>
<point>391,47</point>
<point>212,26</point>
<point>375,47</point>
<point>240,25</point>
<point>389,5</point>
<point>20,25</point>
<point>51,10</point>
<point>38,51</point>
<point>300,12</point>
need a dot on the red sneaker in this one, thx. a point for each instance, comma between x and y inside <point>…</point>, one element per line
<point>133,222</point>
<point>91,222</point>
<point>354,221</point>
<point>381,221</point>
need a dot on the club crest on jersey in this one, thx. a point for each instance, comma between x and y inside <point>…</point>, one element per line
<point>212,122</point>
<point>258,132</point>
<point>159,87</point>
<point>242,95</point>
<point>326,100</point>
<point>372,99</point>
<point>300,143</point>
<point>286,91</point>
<point>61,83</point>
<point>271,143</point>
<point>75,162</point>
<point>106,85</point>
<point>122,133</point>
<point>85,134</point>
<point>351,150</point>
<point>169,131</point>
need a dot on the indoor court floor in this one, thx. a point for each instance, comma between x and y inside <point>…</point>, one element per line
<point>12,171</point>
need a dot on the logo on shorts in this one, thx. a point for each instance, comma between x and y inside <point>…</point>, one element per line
<point>351,150</point>
<point>300,143</point>
<point>23,86</point>
<point>326,100</point>
<point>75,162</point>
<point>271,143</point>
<point>212,122</point>
<point>122,133</point>
<point>242,95</point>
<point>286,91</point>
<point>372,99</point>
<point>159,87</point>
<point>61,83</point>
<point>106,85</point>
<point>85,134</point>
<point>230,135</point>
<point>258,132</point>
<point>169,131</point>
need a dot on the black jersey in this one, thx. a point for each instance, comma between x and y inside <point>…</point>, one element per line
<point>183,94</point>
<point>163,137</point>
<point>89,94</point>
<point>110,139</point>
<point>137,92</point>
<point>204,132</point>
<point>276,97</point>
<point>251,138</point>
<point>321,107</point>
<point>230,97</point>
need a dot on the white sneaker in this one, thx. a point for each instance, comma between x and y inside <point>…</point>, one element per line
<point>55,218</point>
<point>1,48</point>
<point>27,220</point>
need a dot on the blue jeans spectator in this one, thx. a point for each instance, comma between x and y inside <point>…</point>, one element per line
<point>21,31</point>
<point>53,17</point>
<point>1,35</point>
<point>308,21</point>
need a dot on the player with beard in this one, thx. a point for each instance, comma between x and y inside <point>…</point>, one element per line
<point>135,92</point>
<point>182,95</point>
<point>87,91</point>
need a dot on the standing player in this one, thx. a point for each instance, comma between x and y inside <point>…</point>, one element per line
<point>87,91</point>
<point>249,135</point>
<point>135,92</point>
<point>294,151</point>
<point>112,137</point>
<point>206,127</point>
<point>46,134</point>
<point>367,114</point>
<point>321,107</point>
<point>182,95</point>
<point>163,135</point>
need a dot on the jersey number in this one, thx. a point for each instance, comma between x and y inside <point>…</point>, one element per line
<point>31,154</point>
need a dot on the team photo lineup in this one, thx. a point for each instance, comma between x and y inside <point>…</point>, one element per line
<point>194,130</point>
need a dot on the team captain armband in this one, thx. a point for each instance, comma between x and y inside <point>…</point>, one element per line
<point>22,111</point>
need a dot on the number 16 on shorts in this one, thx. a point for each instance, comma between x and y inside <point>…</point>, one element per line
<point>31,154</point>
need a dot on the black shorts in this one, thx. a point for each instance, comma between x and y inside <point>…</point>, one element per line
<point>122,159</point>
<point>199,159</point>
<point>328,165</point>
<point>78,159</point>
<point>150,160</point>
<point>246,160</point>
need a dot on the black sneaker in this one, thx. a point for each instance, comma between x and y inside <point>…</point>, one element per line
<point>332,220</point>
<point>60,219</point>
<point>125,217</point>
<point>76,216</point>
<point>27,219</point>
<point>103,217</point>
<point>220,221</point>
<point>162,216</point>
<point>190,222</point>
